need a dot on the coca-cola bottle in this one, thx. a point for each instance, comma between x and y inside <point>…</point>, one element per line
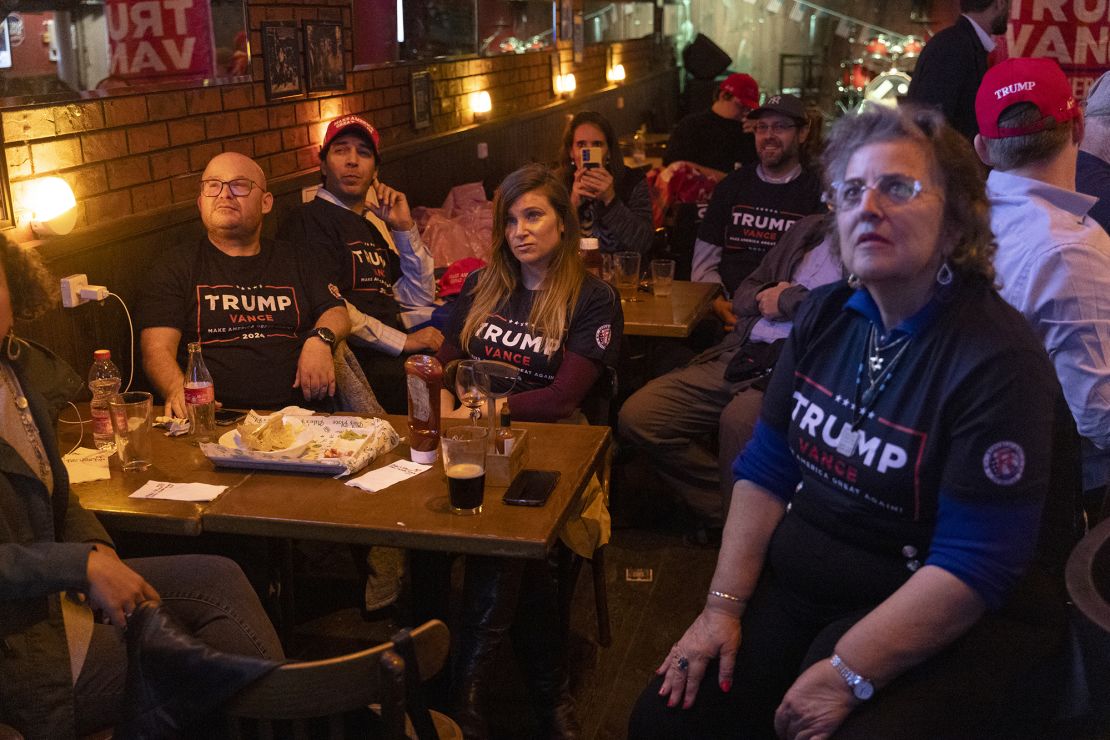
<point>200,396</point>
<point>424,376</point>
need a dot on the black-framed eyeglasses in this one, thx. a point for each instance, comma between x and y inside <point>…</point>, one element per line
<point>893,189</point>
<point>240,187</point>
<point>778,127</point>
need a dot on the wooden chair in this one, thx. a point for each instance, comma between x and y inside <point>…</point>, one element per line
<point>1088,581</point>
<point>305,697</point>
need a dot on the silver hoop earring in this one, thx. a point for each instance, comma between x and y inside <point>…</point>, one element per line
<point>944,274</point>
<point>13,355</point>
<point>853,281</point>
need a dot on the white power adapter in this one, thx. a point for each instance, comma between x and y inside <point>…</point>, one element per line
<point>93,293</point>
<point>76,290</point>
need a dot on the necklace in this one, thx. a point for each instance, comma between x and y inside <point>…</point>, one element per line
<point>875,350</point>
<point>879,372</point>
<point>23,408</point>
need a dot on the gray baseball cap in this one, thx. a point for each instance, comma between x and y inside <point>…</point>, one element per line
<point>784,104</point>
<point>1098,97</point>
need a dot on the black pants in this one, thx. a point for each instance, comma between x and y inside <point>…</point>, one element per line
<point>989,683</point>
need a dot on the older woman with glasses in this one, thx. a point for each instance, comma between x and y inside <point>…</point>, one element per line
<point>890,562</point>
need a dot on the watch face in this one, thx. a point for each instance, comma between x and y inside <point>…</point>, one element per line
<point>863,690</point>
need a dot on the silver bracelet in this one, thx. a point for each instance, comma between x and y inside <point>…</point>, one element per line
<point>729,597</point>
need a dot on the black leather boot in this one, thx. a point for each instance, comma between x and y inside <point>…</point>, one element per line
<point>490,592</point>
<point>539,639</point>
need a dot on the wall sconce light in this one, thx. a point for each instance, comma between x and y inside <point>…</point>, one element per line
<point>615,73</point>
<point>565,84</point>
<point>480,103</point>
<point>51,207</point>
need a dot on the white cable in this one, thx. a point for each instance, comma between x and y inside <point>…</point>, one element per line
<point>131,329</point>
<point>79,421</point>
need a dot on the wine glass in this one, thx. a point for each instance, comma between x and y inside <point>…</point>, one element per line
<point>468,389</point>
<point>496,380</point>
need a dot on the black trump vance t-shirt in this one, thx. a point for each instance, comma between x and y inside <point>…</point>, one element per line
<point>595,332</point>
<point>747,216</point>
<point>250,315</point>
<point>350,253</point>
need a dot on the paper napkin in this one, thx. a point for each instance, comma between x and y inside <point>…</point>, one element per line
<point>179,491</point>
<point>84,464</point>
<point>376,480</point>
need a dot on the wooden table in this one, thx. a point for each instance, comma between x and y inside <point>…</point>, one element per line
<point>175,461</point>
<point>413,514</point>
<point>675,315</point>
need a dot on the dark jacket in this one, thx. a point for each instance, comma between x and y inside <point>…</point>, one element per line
<point>625,224</point>
<point>45,539</point>
<point>948,74</point>
<point>778,266</point>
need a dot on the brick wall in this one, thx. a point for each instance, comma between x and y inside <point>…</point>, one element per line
<point>137,154</point>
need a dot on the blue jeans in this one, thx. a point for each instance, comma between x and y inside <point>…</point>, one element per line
<point>211,598</point>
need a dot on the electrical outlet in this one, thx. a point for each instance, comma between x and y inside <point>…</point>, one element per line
<point>620,102</point>
<point>71,289</point>
<point>483,150</point>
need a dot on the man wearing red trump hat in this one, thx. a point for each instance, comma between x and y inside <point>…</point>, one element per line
<point>361,233</point>
<point>715,139</point>
<point>1053,259</point>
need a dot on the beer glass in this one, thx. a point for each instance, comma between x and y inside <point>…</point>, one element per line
<point>626,273</point>
<point>464,461</point>
<point>662,277</point>
<point>132,416</point>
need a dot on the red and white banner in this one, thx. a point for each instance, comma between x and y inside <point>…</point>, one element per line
<point>157,39</point>
<point>1076,33</point>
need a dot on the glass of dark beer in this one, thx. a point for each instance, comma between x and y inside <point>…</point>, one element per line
<point>464,461</point>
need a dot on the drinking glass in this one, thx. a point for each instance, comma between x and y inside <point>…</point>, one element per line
<point>464,461</point>
<point>467,388</point>
<point>662,277</point>
<point>132,416</point>
<point>496,380</point>
<point>607,267</point>
<point>626,272</point>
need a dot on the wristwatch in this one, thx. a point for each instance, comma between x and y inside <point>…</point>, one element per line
<point>324,333</point>
<point>861,688</point>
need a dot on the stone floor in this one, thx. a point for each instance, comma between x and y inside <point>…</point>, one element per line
<point>645,616</point>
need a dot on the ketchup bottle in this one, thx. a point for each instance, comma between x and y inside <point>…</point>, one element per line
<point>424,376</point>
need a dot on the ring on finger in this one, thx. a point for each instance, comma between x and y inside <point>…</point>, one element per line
<point>682,663</point>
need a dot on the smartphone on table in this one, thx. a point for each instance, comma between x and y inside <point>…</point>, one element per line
<point>227,417</point>
<point>531,487</point>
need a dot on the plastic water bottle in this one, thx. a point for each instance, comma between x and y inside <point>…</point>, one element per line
<point>200,397</point>
<point>104,381</point>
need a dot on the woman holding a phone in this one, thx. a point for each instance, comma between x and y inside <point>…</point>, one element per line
<point>613,203</point>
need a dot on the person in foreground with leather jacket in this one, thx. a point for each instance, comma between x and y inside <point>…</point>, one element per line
<point>65,596</point>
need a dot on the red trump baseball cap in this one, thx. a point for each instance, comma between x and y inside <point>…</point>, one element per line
<point>742,87</point>
<point>1023,80</point>
<point>350,124</point>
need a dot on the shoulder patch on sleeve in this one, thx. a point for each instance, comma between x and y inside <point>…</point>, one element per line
<point>1004,463</point>
<point>603,334</point>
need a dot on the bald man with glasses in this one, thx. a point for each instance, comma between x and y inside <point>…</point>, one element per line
<point>266,324</point>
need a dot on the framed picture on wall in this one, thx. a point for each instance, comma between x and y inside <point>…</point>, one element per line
<point>421,99</point>
<point>324,56</point>
<point>281,58</point>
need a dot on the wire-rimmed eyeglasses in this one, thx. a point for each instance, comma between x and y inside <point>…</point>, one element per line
<point>240,187</point>
<point>893,189</point>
